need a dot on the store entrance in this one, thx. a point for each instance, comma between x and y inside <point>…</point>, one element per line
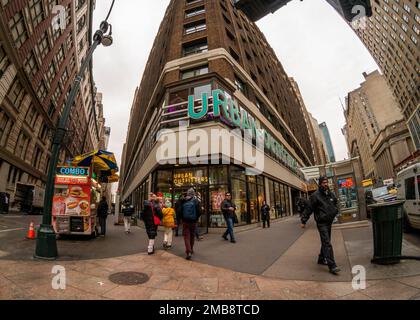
<point>202,193</point>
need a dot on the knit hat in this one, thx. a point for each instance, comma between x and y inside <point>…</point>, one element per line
<point>191,192</point>
<point>321,179</point>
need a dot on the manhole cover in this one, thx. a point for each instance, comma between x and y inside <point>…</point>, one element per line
<point>129,278</point>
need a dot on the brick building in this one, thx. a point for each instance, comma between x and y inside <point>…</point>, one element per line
<point>203,47</point>
<point>39,59</point>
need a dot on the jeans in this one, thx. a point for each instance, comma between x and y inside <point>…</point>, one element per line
<point>102,223</point>
<point>266,221</point>
<point>327,252</point>
<point>168,236</point>
<point>127,223</point>
<point>188,230</point>
<point>229,230</point>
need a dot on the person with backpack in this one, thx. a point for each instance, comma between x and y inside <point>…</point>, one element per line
<point>128,211</point>
<point>151,215</point>
<point>169,223</point>
<point>228,210</point>
<point>191,212</point>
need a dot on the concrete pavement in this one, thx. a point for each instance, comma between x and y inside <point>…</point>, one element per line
<point>275,263</point>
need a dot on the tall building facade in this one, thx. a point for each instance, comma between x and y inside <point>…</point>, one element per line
<point>208,55</point>
<point>375,128</point>
<point>319,141</point>
<point>327,142</point>
<point>392,35</point>
<point>316,142</point>
<point>39,58</point>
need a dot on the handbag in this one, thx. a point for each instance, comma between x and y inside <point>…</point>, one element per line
<point>156,219</point>
<point>235,218</point>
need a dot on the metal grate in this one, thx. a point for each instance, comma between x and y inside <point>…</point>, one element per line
<point>129,278</point>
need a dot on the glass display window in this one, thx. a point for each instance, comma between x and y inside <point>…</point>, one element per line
<point>347,193</point>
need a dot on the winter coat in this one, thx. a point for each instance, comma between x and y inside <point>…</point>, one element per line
<point>265,212</point>
<point>128,211</point>
<point>178,209</point>
<point>168,217</point>
<point>324,207</point>
<point>102,209</point>
<point>147,216</point>
<point>226,204</point>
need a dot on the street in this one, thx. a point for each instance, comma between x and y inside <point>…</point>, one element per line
<point>283,256</point>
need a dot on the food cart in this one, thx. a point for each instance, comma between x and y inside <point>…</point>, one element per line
<point>76,195</point>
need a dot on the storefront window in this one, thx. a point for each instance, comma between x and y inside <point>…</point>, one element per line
<point>217,195</point>
<point>260,194</point>
<point>218,175</point>
<point>191,177</point>
<point>286,203</point>
<point>239,199</point>
<point>279,199</point>
<point>253,199</point>
<point>347,194</point>
<point>272,203</point>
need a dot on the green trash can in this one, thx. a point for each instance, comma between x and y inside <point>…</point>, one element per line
<point>387,224</point>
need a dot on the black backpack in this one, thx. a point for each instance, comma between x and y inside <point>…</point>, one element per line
<point>189,211</point>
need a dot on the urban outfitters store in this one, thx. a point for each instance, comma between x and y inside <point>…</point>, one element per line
<point>213,181</point>
<point>280,182</point>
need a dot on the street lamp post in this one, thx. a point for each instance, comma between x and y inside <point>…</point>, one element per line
<point>46,245</point>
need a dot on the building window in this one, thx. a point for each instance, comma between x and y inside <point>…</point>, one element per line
<point>194,12</point>
<point>6,125</point>
<point>240,85</point>
<point>37,13</point>
<point>81,23</point>
<point>16,94</point>
<point>194,48</point>
<point>31,65</point>
<point>37,157</point>
<point>195,27</point>
<point>42,91</point>
<point>18,29</point>
<point>194,72</point>
<point>22,145</point>
<point>4,61</point>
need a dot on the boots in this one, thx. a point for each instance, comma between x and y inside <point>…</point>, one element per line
<point>151,247</point>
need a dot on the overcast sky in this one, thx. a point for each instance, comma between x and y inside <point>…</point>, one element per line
<point>311,40</point>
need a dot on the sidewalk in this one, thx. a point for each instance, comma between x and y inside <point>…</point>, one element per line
<point>173,278</point>
<point>274,263</point>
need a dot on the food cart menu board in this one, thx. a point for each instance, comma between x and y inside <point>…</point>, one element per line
<point>71,200</point>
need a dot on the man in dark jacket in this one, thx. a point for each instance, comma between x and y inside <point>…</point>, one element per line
<point>178,211</point>
<point>102,214</point>
<point>323,204</point>
<point>191,212</point>
<point>228,210</point>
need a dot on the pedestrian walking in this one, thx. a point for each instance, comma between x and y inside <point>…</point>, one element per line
<point>301,204</point>
<point>178,210</point>
<point>323,204</point>
<point>128,211</point>
<point>169,223</point>
<point>191,212</point>
<point>198,236</point>
<point>228,210</point>
<point>265,214</point>
<point>151,216</point>
<point>102,212</point>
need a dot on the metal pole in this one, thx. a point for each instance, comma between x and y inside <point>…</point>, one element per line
<point>46,245</point>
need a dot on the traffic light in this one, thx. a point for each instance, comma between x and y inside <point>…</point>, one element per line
<point>352,10</point>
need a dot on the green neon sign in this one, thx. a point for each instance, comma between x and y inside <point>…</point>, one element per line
<point>228,110</point>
